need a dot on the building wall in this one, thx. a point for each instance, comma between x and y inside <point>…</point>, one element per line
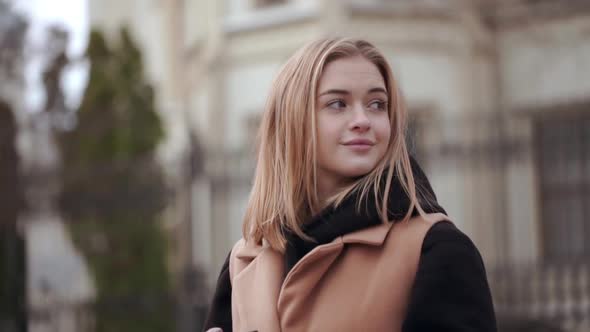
<point>451,63</point>
<point>444,61</point>
<point>544,64</point>
<point>477,77</point>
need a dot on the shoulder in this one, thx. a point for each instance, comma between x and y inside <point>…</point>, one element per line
<point>447,251</point>
<point>445,237</point>
<point>451,291</point>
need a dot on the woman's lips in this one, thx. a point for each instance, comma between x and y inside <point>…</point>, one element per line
<point>359,147</point>
<point>359,144</point>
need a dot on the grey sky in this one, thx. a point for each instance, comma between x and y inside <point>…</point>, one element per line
<point>73,15</point>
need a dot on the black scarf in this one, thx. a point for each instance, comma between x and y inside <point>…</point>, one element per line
<point>334,222</point>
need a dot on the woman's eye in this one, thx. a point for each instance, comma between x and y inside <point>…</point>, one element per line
<point>378,105</point>
<point>337,104</point>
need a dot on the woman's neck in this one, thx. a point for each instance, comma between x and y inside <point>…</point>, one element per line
<point>329,187</point>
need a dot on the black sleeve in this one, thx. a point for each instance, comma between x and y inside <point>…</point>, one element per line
<point>451,291</point>
<point>220,311</point>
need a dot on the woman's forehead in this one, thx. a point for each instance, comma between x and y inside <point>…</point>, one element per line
<point>350,72</point>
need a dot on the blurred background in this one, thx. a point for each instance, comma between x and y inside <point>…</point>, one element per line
<point>126,146</point>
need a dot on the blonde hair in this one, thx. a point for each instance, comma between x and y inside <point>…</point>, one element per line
<point>284,192</point>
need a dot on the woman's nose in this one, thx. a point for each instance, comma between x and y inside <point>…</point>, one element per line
<point>360,120</point>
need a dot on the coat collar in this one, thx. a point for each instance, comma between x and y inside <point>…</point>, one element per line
<point>249,251</point>
<point>373,236</point>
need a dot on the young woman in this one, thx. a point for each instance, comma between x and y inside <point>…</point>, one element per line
<point>342,230</point>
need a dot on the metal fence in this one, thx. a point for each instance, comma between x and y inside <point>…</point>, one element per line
<point>553,294</point>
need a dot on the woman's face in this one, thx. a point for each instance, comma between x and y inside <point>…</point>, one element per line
<point>352,121</point>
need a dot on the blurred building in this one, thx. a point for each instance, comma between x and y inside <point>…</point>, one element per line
<point>500,105</point>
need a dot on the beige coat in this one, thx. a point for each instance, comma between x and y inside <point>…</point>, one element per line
<point>358,282</point>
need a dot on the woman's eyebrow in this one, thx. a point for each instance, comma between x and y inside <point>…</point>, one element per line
<point>346,92</point>
<point>335,91</point>
<point>372,90</point>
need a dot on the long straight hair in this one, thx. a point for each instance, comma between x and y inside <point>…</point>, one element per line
<point>284,193</point>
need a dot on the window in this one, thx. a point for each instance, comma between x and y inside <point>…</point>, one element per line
<point>563,162</point>
<point>268,3</point>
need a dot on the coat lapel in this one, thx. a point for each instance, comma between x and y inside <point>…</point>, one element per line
<point>256,281</point>
<point>257,308</point>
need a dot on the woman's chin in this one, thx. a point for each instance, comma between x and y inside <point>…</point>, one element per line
<point>355,171</point>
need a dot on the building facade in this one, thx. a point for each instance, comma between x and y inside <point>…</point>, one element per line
<point>499,105</point>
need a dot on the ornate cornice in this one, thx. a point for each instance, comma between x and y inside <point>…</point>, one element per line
<point>513,13</point>
<point>416,9</point>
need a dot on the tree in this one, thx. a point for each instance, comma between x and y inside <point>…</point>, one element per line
<point>12,249</point>
<point>113,190</point>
